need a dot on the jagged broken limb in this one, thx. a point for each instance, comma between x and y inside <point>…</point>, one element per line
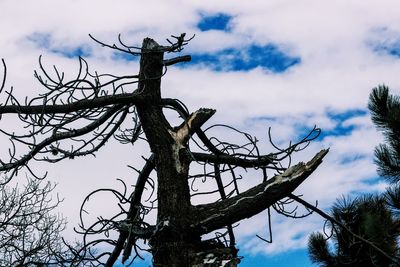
<point>76,118</point>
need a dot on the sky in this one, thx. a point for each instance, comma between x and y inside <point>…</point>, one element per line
<point>288,65</point>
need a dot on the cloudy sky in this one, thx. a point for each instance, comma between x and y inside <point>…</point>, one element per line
<point>288,65</point>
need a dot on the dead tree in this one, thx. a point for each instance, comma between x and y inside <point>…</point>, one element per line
<point>30,235</point>
<point>77,117</point>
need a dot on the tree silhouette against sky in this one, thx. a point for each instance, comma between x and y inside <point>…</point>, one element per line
<point>77,117</point>
<point>374,218</point>
<point>385,114</point>
<point>366,216</point>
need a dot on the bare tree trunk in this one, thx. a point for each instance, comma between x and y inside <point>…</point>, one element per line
<point>176,240</point>
<point>171,244</point>
<point>174,243</point>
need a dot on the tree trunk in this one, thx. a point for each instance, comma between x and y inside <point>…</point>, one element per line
<point>171,244</point>
<point>176,240</point>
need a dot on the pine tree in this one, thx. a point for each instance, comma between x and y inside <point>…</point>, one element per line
<point>374,218</point>
<point>367,216</point>
<point>385,114</point>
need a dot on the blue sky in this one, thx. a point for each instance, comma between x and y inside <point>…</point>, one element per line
<point>297,258</point>
<point>278,64</point>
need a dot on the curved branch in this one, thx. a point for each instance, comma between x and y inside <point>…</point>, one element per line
<point>60,136</point>
<point>133,210</point>
<point>213,216</point>
<point>99,102</point>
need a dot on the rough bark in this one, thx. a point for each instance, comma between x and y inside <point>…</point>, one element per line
<point>127,98</point>
<point>171,243</point>
<point>218,214</point>
<point>176,240</point>
<point>125,239</point>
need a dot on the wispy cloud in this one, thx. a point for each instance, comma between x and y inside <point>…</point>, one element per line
<point>269,63</point>
<point>385,41</point>
<point>340,121</point>
<point>46,41</point>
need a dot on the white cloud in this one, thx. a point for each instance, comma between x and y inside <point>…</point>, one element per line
<point>337,71</point>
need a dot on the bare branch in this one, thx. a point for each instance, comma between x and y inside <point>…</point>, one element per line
<point>78,117</point>
<point>30,234</point>
<point>85,104</point>
<point>175,60</point>
<point>213,216</point>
